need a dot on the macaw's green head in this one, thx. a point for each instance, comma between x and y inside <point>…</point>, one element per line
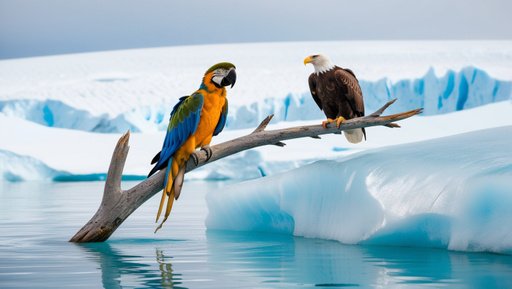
<point>220,75</point>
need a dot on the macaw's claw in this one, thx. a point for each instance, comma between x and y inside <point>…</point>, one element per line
<point>208,152</point>
<point>195,158</point>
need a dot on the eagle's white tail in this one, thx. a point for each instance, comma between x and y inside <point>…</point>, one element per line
<point>354,135</point>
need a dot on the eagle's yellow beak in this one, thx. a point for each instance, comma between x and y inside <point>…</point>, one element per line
<point>308,59</point>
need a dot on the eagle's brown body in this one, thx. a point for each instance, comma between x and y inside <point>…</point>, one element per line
<point>337,92</point>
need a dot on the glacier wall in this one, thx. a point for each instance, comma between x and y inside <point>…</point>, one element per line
<point>55,113</point>
<point>454,91</point>
<point>468,88</point>
<point>454,193</point>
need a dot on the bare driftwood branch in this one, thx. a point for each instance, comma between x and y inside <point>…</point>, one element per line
<point>117,205</point>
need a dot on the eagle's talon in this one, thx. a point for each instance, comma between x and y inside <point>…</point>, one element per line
<point>339,121</point>
<point>208,152</point>
<point>325,123</point>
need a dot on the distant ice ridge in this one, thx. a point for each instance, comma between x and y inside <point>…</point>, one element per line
<point>468,88</point>
<point>15,168</point>
<point>452,193</point>
<point>243,166</point>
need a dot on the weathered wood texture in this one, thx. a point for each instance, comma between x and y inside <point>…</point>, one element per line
<point>117,204</point>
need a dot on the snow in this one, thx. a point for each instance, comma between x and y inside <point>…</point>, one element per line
<point>453,192</point>
<point>136,89</point>
<point>68,111</point>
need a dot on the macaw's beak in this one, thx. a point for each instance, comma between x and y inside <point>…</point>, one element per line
<point>308,59</point>
<point>229,79</point>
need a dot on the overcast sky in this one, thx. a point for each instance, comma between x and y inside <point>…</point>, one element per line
<point>45,27</point>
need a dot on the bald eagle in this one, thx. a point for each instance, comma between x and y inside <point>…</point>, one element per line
<point>337,92</point>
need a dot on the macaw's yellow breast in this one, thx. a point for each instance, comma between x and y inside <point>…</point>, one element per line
<point>210,114</point>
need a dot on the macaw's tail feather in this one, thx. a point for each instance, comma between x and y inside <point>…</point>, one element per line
<point>172,188</point>
<point>178,182</point>
<point>159,166</point>
<point>156,158</point>
<point>167,184</point>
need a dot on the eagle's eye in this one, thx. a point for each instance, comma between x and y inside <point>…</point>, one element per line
<point>315,56</point>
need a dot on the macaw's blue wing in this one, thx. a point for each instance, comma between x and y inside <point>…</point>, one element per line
<point>183,123</point>
<point>222,119</point>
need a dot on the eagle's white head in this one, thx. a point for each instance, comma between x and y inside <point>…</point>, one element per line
<point>320,62</point>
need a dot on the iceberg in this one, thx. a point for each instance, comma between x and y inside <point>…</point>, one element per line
<point>453,193</point>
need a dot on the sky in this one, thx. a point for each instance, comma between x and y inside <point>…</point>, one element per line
<point>48,27</point>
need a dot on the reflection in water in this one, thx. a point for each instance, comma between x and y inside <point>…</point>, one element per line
<point>118,268</point>
<point>246,260</point>
<point>320,263</point>
<point>165,268</point>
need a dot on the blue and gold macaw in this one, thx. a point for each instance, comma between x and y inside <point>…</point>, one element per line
<point>195,119</point>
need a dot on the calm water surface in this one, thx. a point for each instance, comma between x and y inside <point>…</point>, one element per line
<point>37,219</point>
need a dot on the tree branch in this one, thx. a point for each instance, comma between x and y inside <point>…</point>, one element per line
<point>117,205</point>
<point>115,171</point>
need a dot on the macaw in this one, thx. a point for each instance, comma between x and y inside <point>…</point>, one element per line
<point>194,120</point>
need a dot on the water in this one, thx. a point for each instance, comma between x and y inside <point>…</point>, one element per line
<point>37,219</point>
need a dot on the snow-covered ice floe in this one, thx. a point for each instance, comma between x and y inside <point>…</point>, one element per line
<point>85,155</point>
<point>453,192</point>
